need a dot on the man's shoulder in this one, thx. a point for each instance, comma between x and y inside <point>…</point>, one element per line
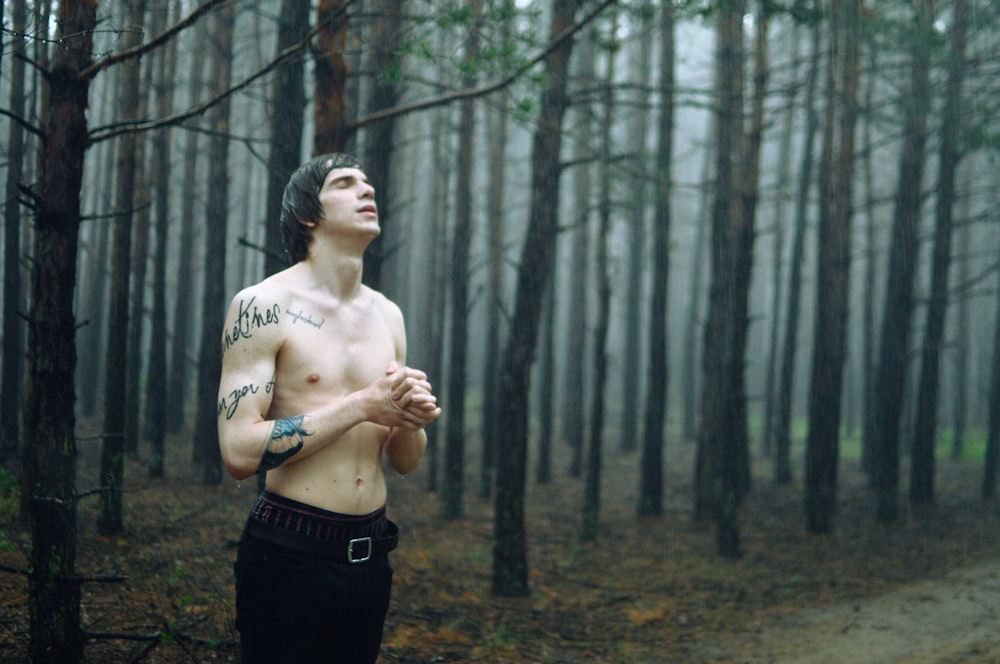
<point>383,303</point>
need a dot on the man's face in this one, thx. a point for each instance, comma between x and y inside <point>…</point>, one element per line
<point>348,202</point>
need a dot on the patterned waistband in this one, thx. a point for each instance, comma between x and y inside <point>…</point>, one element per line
<point>314,522</point>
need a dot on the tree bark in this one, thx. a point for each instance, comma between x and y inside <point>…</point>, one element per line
<point>989,488</point>
<point>573,417</point>
<point>904,248</point>
<point>110,519</point>
<point>510,562</point>
<point>179,356</point>
<point>833,271</point>
<point>722,432</point>
<point>288,101</point>
<point>651,470</point>
<point>454,453</point>
<point>13,330</point>
<point>330,77</point>
<point>599,352</point>
<point>632,347</point>
<point>386,91</point>
<point>925,427</point>
<point>49,422</point>
<point>499,121</point>
<point>216,217</point>
<point>156,392</point>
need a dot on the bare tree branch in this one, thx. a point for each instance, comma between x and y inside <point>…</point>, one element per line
<point>99,134</point>
<point>483,90</point>
<point>156,42</point>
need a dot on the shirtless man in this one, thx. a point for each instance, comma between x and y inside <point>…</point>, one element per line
<point>315,392</point>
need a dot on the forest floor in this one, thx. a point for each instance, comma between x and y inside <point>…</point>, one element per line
<point>652,590</point>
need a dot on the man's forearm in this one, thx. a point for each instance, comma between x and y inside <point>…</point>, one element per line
<point>405,448</point>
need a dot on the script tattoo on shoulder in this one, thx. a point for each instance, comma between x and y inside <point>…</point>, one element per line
<point>287,433</point>
<point>249,318</point>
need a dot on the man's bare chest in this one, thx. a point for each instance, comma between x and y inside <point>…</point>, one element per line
<point>333,351</point>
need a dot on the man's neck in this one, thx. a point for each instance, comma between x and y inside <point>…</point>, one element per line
<point>339,273</point>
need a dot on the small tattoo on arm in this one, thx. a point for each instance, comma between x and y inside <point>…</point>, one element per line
<point>285,428</point>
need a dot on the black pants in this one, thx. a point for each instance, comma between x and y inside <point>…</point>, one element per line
<point>297,608</point>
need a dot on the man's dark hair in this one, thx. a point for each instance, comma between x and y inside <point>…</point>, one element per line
<point>300,204</point>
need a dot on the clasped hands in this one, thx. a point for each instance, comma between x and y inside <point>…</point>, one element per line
<point>412,404</point>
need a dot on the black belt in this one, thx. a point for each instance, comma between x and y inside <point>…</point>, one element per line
<point>357,550</point>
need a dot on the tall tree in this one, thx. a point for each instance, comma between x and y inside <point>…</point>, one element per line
<point>498,119</point>
<point>834,269</point>
<point>718,473</point>
<point>925,427</point>
<point>13,332</point>
<point>330,77</point>
<point>288,101</point>
<point>110,518</point>
<point>160,170</point>
<point>141,199</point>
<point>573,417</point>
<point>989,487</point>
<point>385,91</point>
<point>893,357</point>
<point>49,422</point>
<point>216,217</point>
<point>180,358</point>
<point>651,471</point>
<point>454,451</point>
<point>793,303</point>
<point>599,351</point>
<point>510,555</point>
<point>782,182</point>
<point>635,261</point>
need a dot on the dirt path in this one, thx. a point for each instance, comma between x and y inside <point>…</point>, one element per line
<point>949,620</point>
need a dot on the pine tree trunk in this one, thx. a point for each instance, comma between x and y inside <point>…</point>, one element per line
<point>13,331</point>
<point>454,452</point>
<point>330,77</point>
<point>49,423</point>
<point>789,349</point>
<point>216,217</point>
<point>718,470</point>
<point>156,392</point>
<point>110,518</point>
<point>651,470</point>
<point>989,489</point>
<point>632,351</point>
<point>925,427</point>
<point>599,362</point>
<point>904,248</point>
<point>380,137</point>
<point>833,273</point>
<point>183,304</point>
<point>573,418</point>
<point>288,101</point>
<point>510,556</point>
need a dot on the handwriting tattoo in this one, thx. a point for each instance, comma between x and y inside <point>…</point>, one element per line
<point>248,319</point>
<point>286,427</point>
<point>306,318</point>
<point>231,402</point>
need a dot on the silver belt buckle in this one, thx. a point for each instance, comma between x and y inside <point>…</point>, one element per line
<point>359,540</point>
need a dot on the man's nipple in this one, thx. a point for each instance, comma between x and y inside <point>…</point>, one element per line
<point>312,378</point>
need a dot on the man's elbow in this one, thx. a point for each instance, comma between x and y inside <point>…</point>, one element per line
<point>238,467</point>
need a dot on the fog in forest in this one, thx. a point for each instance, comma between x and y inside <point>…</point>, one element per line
<point>793,154</point>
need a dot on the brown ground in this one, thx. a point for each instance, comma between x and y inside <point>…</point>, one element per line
<point>648,591</point>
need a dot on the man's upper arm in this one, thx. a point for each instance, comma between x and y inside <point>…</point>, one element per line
<point>250,343</point>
